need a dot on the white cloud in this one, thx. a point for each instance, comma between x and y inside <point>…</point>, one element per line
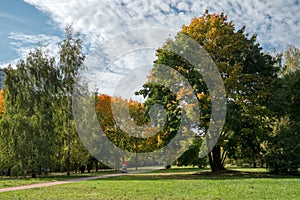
<point>183,6</point>
<point>275,22</point>
<point>24,43</point>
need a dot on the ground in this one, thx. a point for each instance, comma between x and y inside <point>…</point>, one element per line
<point>178,183</point>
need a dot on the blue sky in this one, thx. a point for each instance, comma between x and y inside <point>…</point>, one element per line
<point>19,17</point>
<point>26,23</point>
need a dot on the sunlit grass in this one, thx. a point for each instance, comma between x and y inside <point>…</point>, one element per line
<point>178,183</point>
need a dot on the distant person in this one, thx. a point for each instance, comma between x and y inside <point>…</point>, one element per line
<point>124,168</point>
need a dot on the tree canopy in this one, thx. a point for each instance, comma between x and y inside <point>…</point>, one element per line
<point>262,96</point>
<point>248,74</point>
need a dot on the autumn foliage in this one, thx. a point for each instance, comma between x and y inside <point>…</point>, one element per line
<point>121,132</point>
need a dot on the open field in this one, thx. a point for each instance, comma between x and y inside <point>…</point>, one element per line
<point>173,184</point>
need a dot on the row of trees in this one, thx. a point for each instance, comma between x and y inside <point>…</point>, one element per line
<point>282,153</point>
<point>262,93</point>
<point>37,130</point>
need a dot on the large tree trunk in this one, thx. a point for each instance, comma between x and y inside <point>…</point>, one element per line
<point>216,160</point>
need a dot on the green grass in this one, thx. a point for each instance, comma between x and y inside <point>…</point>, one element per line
<point>11,182</point>
<point>178,183</point>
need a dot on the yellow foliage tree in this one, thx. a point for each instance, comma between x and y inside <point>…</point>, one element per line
<point>2,102</point>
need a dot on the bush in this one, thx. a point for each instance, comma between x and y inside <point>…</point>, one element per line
<point>283,156</point>
<point>280,163</point>
<point>16,170</point>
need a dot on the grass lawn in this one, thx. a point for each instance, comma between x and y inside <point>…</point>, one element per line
<point>176,183</point>
<point>11,182</point>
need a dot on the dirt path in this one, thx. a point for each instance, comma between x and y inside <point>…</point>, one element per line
<point>38,185</point>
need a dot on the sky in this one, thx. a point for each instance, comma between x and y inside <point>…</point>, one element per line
<point>105,24</point>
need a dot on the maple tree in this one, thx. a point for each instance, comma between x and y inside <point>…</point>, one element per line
<point>120,133</point>
<point>247,72</point>
<point>262,120</point>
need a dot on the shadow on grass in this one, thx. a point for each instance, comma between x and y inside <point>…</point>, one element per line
<point>185,174</point>
<point>59,176</point>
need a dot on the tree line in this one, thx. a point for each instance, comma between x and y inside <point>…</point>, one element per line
<point>38,133</point>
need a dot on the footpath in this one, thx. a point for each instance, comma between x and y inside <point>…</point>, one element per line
<point>38,185</point>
